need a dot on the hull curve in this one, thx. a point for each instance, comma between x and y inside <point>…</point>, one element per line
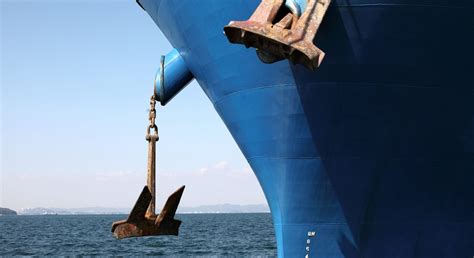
<point>375,150</point>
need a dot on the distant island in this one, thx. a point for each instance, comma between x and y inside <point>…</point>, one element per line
<point>218,208</point>
<point>6,211</point>
<point>226,208</point>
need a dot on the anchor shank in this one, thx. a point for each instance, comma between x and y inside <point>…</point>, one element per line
<point>143,220</point>
<point>151,173</point>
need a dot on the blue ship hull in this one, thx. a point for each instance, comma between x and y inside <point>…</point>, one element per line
<point>374,151</point>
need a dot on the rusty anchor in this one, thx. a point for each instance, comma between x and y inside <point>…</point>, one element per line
<point>142,220</point>
<point>279,32</point>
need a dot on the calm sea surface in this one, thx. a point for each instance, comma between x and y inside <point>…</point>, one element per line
<point>200,235</point>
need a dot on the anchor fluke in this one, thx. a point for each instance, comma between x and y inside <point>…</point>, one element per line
<point>171,205</point>
<point>139,224</point>
<point>165,220</point>
<point>139,209</point>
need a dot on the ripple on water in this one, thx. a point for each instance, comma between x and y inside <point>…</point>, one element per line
<point>200,235</point>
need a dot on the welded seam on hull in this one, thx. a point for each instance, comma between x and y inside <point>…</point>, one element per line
<point>254,89</point>
<point>378,223</point>
<point>371,84</point>
<point>329,84</point>
<point>312,224</point>
<point>404,5</point>
<point>385,85</point>
<point>454,157</point>
<point>283,157</point>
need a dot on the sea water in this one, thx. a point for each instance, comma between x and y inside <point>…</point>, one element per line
<point>200,235</point>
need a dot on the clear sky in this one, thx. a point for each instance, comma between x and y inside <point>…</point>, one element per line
<point>76,77</point>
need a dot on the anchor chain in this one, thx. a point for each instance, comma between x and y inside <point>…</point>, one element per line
<point>152,113</point>
<point>142,220</point>
<point>152,138</point>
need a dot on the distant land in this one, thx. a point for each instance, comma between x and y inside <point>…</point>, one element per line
<point>6,211</point>
<point>74,211</point>
<point>219,208</point>
<point>225,208</point>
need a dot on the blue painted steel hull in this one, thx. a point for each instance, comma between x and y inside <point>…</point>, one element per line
<point>375,150</point>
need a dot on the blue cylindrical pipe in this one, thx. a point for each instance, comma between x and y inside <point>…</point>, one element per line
<point>297,7</point>
<point>171,77</point>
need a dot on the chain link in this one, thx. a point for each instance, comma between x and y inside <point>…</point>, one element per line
<point>152,118</point>
<point>152,115</point>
